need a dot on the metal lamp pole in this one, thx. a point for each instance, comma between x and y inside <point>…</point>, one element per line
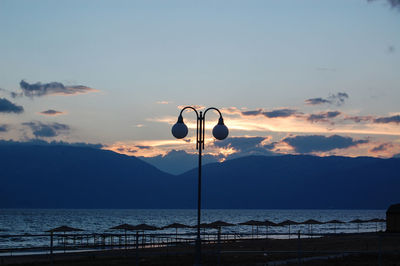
<point>220,132</point>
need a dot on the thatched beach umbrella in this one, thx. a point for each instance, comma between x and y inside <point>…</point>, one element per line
<point>61,229</point>
<point>310,222</point>
<point>219,224</point>
<point>252,223</point>
<point>376,221</point>
<point>267,224</point>
<point>125,227</point>
<point>289,223</point>
<point>176,226</point>
<point>358,222</point>
<point>335,222</point>
<point>64,229</point>
<point>145,227</point>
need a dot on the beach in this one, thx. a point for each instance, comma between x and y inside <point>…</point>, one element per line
<point>341,249</point>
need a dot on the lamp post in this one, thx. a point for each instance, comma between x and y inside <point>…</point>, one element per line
<point>220,132</point>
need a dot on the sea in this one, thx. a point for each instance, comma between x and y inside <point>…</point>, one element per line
<point>25,222</point>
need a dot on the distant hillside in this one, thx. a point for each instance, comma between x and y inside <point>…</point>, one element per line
<point>79,177</point>
<point>178,162</point>
<point>36,176</point>
<point>301,182</point>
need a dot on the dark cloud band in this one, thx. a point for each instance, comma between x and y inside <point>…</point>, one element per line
<point>52,112</point>
<point>381,147</point>
<point>271,114</point>
<point>389,119</point>
<point>3,128</point>
<point>40,89</point>
<point>8,107</point>
<point>336,99</point>
<point>320,143</point>
<point>49,130</point>
<point>323,117</point>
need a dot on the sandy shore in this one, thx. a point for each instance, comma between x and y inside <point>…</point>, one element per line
<point>349,249</point>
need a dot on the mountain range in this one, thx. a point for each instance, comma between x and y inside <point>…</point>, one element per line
<point>65,176</point>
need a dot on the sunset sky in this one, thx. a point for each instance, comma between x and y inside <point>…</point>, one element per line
<point>298,77</point>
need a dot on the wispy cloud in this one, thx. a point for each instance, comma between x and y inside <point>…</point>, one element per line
<point>321,143</point>
<point>163,102</point>
<point>285,112</point>
<point>3,128</point>
<point>49,143</point>
<point>392,3</point>
<point>323,117</point>
<point>47,130</point>
<point>335,99</point>
<point>389,119</point>
<point>8,107</point>
<point>52,112</point>
<point>53,88</point>
<point>381,147</point>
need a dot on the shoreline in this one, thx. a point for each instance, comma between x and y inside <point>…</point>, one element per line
<point>239,252</point>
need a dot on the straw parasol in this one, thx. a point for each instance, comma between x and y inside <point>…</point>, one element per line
<point>64,229</point>
<point>267,224</point>
<point>60,229</point>
<point>145,227</point>
<point>252,223</point>
<point>376,221</point>
<point>358,222</point>
<point>310,222</point>
<point>335,222</point>
<point>125,227</point>
<point>219,224</point>
<point>176,226</point>
<point>289,223</point>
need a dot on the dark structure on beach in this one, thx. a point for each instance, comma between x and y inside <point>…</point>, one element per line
<point>393,219</point>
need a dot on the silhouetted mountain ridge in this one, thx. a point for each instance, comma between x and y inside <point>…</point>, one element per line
<point>36,176</point>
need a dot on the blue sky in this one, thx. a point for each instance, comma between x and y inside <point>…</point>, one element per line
<point>140,60</point>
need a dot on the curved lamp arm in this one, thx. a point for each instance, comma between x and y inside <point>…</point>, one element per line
<point>180,130</point>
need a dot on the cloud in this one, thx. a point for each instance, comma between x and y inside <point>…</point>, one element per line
<point>335,99</point>
<point>320,143</point>
<point>131,149</point>
<point>271,114</point>
<point>3,128</point>
<point>52,112</point>
<point>392,3</point>
<point>323,117</point>
<point>379,120</point>
<point>389,119</point>
<point>316,101</point>
<point>163,102</point>
<point>197,107</point>
<point>8,107</point>
<point>54,143</point>
<point>244,146</point>
<point>391,49</point>
<point>359,119</point>
<point>239,143</point>
<point>49,130</point>
<point>40,89</point>
<point>381,147</point>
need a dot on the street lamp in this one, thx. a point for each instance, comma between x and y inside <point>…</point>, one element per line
<point>220,132</point>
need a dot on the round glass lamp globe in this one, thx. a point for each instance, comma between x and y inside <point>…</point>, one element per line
<point>220,131</point>
<point>179,130</point>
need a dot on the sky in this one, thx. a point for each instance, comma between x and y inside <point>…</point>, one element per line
<point>290,77</point>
